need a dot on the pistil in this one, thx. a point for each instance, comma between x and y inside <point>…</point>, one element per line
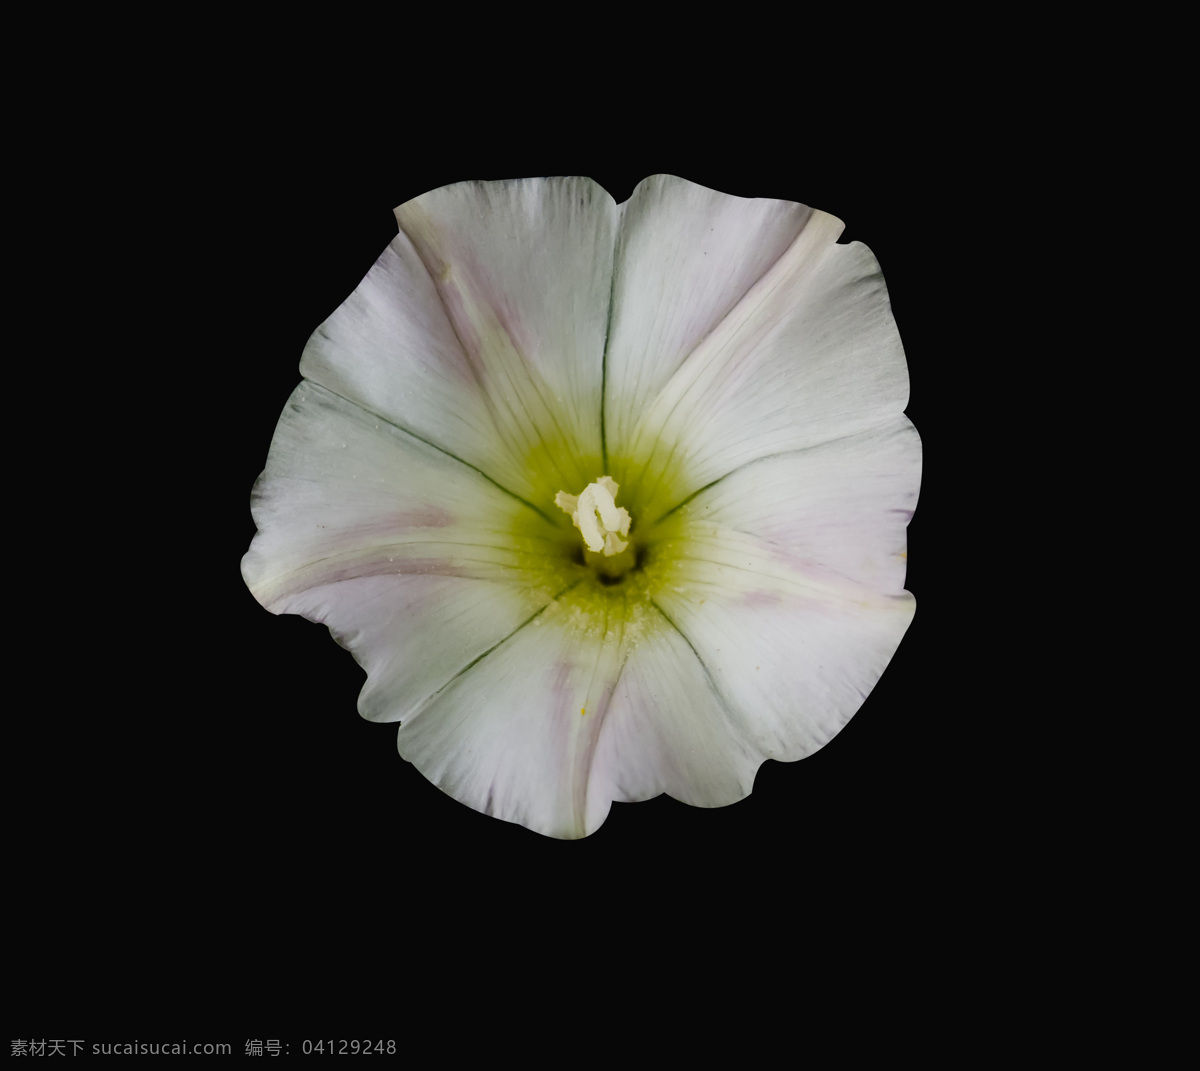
<point>602,523</point>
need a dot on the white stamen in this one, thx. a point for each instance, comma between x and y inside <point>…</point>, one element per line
<point>597,516</point>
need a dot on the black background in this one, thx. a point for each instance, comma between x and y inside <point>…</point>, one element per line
<point>202,795</point>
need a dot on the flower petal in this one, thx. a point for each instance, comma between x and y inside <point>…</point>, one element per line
<point>415,561</point>
<point>576,710</point>
<point>579,708</point>
<point>669,730</point>
<point>786,578</point>
<point>482,328</point>
<point>805,351</point>
<point>686,257</point>
<point>514,735</point>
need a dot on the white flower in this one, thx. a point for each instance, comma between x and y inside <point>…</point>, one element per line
<point>607,500</point>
